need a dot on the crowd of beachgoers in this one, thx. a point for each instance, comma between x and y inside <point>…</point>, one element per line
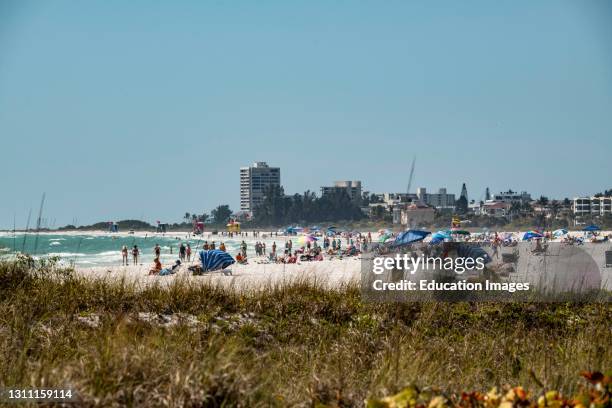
<point>296,248</point>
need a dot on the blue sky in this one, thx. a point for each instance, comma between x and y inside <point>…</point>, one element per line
<point>147,109</point>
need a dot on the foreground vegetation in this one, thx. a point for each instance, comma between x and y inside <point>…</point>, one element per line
<point>298,344</point>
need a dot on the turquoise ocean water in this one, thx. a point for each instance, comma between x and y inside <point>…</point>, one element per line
<point>90,250</point>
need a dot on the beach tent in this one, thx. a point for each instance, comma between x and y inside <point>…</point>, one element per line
<point>559,232</point>
<point>591,228</point>
<point>215,259</point>
<point>531,234</point>
<point>293,230</point>
<point>410,236</point>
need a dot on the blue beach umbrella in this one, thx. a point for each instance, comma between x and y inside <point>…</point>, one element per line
<point>531,234</point>
<point>440,236</point>
<point>410,236</point>
<point>215,259</point>
<point>591,228</point>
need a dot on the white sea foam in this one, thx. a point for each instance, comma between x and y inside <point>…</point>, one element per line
<point>68,254</point>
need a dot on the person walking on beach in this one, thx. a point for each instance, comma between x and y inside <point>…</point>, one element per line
<point>157,251</point>
<point>244,249</point>
<point>135,253</point>
<point>182,250</point>
<point>274,248</point>
<point>188,253</point>
<point>124,255</point>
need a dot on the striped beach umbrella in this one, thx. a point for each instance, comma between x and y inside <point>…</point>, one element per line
<point>214,259</point>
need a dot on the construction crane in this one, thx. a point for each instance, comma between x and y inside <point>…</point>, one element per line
<point>411,175</point>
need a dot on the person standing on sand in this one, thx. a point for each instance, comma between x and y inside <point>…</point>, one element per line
<point>135,253</point>
<point>188,251</point>
<point>182,250</point>
<point>124,255</point>
<point>222,246</point>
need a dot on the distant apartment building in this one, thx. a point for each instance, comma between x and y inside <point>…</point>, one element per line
<point>440,200</point>
<point>393,199</point>
<point>590,206</point>
<point>512,197</point>
<point>253,182</point>
<point>352,188</point>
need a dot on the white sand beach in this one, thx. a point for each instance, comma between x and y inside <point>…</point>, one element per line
<point>332,273</point>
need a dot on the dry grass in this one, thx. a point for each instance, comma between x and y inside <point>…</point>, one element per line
<point>288,345</point>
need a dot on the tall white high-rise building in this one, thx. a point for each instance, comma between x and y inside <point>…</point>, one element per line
<point>253,182</point>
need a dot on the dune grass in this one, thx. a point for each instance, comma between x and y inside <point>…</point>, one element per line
<point>292,344</point>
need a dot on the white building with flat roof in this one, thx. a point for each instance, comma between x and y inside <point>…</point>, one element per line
<point>352,188</point>
<point>512,197</point>
<point>590,206</point>
<point>253,182</point>
<point>440,200</point>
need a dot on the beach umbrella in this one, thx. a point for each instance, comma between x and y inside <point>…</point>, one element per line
<point>559,232</point>
<point>444,234</point>
<point>305,239</point>
<point>384,237</point>
<point>440,236</point>
<point>410,236</point>
<point>215,259</point>
<point>531,234</point>
<point>460,232</point>
<point>591,228</point>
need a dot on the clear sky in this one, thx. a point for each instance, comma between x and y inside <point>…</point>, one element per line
<point>147,109</point>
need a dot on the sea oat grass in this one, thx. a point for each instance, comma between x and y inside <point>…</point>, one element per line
<point>287,344</point>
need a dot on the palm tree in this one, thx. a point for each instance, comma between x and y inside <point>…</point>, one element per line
<point>555,206</point>
<point>187,217</point>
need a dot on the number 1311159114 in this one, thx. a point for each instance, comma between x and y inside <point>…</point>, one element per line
<point>37,394</point>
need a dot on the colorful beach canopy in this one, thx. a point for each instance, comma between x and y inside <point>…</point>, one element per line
<point>531,234</point>
<point>305,239</point>
<point>559,232</point>
<point>215,259</point>
<point>410,236</point>
<point>591,228</point>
